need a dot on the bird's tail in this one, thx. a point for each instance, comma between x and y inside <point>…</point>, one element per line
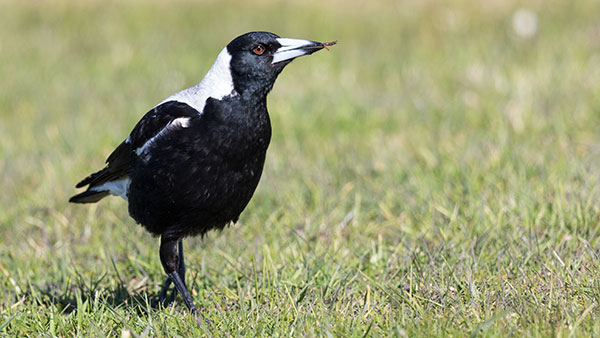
<point>89,196</point>
<point>97,188</point>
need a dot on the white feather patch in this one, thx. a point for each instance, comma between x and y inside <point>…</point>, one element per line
<point>181,122</point>
<point>217,84</point>
<point>117,188</point>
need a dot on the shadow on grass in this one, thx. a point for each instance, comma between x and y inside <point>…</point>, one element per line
<point>69,296</point>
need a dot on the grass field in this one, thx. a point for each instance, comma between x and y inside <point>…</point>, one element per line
<point>435,174</point>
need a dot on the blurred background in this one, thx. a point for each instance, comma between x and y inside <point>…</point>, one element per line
<point>443,149</point>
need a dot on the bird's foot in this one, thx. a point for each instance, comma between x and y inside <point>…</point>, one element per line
<point>163,293</point>
<point>183,291</point>
<point>179,288</point>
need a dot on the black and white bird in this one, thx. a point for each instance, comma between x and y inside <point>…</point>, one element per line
<point>192,163</point>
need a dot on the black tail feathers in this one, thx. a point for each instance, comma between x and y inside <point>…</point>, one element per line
<point>89,196</point>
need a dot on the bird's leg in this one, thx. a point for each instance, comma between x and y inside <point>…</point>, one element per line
<point>170,262</point>
<point>181,262</point>
<point>167,284</point>
<point>164,290</point>
<point>181,269</point>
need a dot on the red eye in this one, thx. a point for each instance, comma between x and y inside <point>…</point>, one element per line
<point>258,50</point>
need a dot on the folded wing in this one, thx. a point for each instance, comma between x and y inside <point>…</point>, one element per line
<point>164,119</point>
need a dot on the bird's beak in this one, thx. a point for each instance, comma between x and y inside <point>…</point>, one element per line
<point>293,48</point>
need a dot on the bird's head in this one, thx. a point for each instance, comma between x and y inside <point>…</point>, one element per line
<point>257,58</point>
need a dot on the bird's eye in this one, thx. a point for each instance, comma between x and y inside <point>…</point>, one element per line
<point>258,50</point>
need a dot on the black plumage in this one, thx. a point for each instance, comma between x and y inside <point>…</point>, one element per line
<point>193,162</point>
<point>203,176</point>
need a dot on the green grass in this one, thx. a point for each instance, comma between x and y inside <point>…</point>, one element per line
<point>434,174</point>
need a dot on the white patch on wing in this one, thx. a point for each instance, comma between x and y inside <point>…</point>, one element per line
<point>117,188</point>
<point>217,84</point>
<point>181,122</point>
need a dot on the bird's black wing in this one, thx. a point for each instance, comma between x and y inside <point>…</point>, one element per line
<point>155,123</point>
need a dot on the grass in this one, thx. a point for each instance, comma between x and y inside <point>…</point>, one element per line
<point>435,174</point>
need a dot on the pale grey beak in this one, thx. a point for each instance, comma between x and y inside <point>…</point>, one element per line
<point>293,48</point>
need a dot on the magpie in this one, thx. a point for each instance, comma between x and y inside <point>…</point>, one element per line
<point>193,162</point>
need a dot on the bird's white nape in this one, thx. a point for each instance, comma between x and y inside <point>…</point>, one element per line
<point>217,83</point>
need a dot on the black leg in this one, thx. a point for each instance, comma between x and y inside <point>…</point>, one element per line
<point>164,290</point>
<point>181,270</point>
<point>183,291</point>
<point>170,262</point>
<point>181,262</point>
